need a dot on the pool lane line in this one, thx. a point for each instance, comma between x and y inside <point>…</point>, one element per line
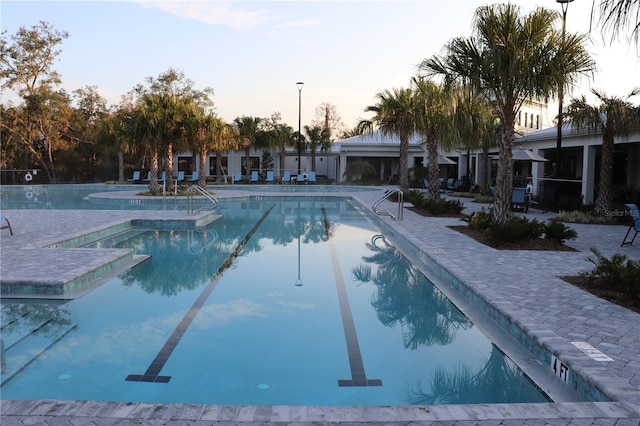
<point>153,372</point>
<point>358,375</point>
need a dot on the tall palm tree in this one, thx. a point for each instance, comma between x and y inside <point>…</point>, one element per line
<point>612,117</point>
<point>434,108</point>
<point>395,114</point>
<point>509,60</point>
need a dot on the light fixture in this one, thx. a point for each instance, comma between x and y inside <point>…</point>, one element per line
<point>299,85</point>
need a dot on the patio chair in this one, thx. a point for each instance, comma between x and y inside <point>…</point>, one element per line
<point>635,225</point>
<point>286,177</point>
<point>519,199</point>
<point>449,184</point>
<point>136,177</point>
<point>180,177</point>
<point>254,177</point>
<point>237,177</point>
<point>194,177</point>
<point>269,178</point>
<point>312,177</point>
<point>148,178</point>
<point>300,178</point>
<point>5,224</point>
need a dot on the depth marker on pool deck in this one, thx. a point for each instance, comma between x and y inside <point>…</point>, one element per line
<point>358,376</point>
<point>153,372</point>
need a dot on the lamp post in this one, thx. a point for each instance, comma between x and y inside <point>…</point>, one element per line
<point>564,5</point>
<point>299,85</point>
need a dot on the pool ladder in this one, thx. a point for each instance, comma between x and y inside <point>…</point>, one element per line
<point>388,193</point>
<point>200,191</point>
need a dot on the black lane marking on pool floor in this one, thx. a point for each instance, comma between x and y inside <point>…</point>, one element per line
<point>153,372</point>
<point>358,375</point>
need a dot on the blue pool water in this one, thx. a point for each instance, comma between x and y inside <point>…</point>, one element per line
<point>297,301</point>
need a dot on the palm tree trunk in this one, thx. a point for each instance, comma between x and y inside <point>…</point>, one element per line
<point>504,177</point>
<point>604,200</point>
<point>404,159</point>
<point>154,187</point>
<point>433,170</point>
<point>202,180</point>
<point>120,166</point>
<point>169,179</point>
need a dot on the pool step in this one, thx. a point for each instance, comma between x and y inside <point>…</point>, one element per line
<point>115,239</point>
<point>27,337</point>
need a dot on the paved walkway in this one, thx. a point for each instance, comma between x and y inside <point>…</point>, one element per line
<point>520,290</point>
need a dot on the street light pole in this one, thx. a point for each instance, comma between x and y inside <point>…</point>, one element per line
<point>564,4</point>
<point>299,85</point>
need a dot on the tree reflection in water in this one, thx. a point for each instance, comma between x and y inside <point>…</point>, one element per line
<point>404,296</point>
<point>498,381</point>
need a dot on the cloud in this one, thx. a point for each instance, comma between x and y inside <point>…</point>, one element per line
<point>211,12</point>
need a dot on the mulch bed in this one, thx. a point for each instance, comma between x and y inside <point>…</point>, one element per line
<point>530,244</point>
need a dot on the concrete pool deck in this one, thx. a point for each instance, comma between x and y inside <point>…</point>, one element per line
<point>522,285</point>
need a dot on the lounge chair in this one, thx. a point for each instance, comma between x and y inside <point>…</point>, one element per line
<point>425,183</point>
<point>286,177</point>
<point>136,177</point>
<point>254,177</point>
<point>300,178</point>
<point>5,224</point>
<point>163,177</point>
<point>269,178</point>
<point>148,178</point>
<point>180,177</point>
<point>237,177</point>
<point>194,177</point>
<point>312,177</point>
<point>519,199</point>
<point>635,225</point>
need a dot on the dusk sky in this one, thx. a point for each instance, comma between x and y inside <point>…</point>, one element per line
<point>253,53</point>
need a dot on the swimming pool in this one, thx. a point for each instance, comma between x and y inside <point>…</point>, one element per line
<point>217,316</point>
<point>92,196</point>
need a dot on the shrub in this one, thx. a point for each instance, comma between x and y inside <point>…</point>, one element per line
<point>617,273</point>
<point>517,228</point>
<point>480,220</point>
<point>577,216</point>
<point>436,208</point>
<point>558,231</point>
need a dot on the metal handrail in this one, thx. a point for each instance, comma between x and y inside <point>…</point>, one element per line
<point>203,192</point>
<point>387,194</point>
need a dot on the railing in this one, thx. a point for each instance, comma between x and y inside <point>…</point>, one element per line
<point>201,191</point>
<point>386,195</point>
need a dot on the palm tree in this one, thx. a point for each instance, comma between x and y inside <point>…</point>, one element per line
<point>612,117</point>
<point>395,114</point>
<point>435,105</point>
<point>212,134</point>
<point>512,59</point>
<point>248,128</point>
<point>317,137</point>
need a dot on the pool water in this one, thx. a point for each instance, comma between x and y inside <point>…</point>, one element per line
<point>282,301</point>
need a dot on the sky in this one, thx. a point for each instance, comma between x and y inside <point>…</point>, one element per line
<point>253,53</point>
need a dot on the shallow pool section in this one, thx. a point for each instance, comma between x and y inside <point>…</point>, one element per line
<point>283,301</point>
